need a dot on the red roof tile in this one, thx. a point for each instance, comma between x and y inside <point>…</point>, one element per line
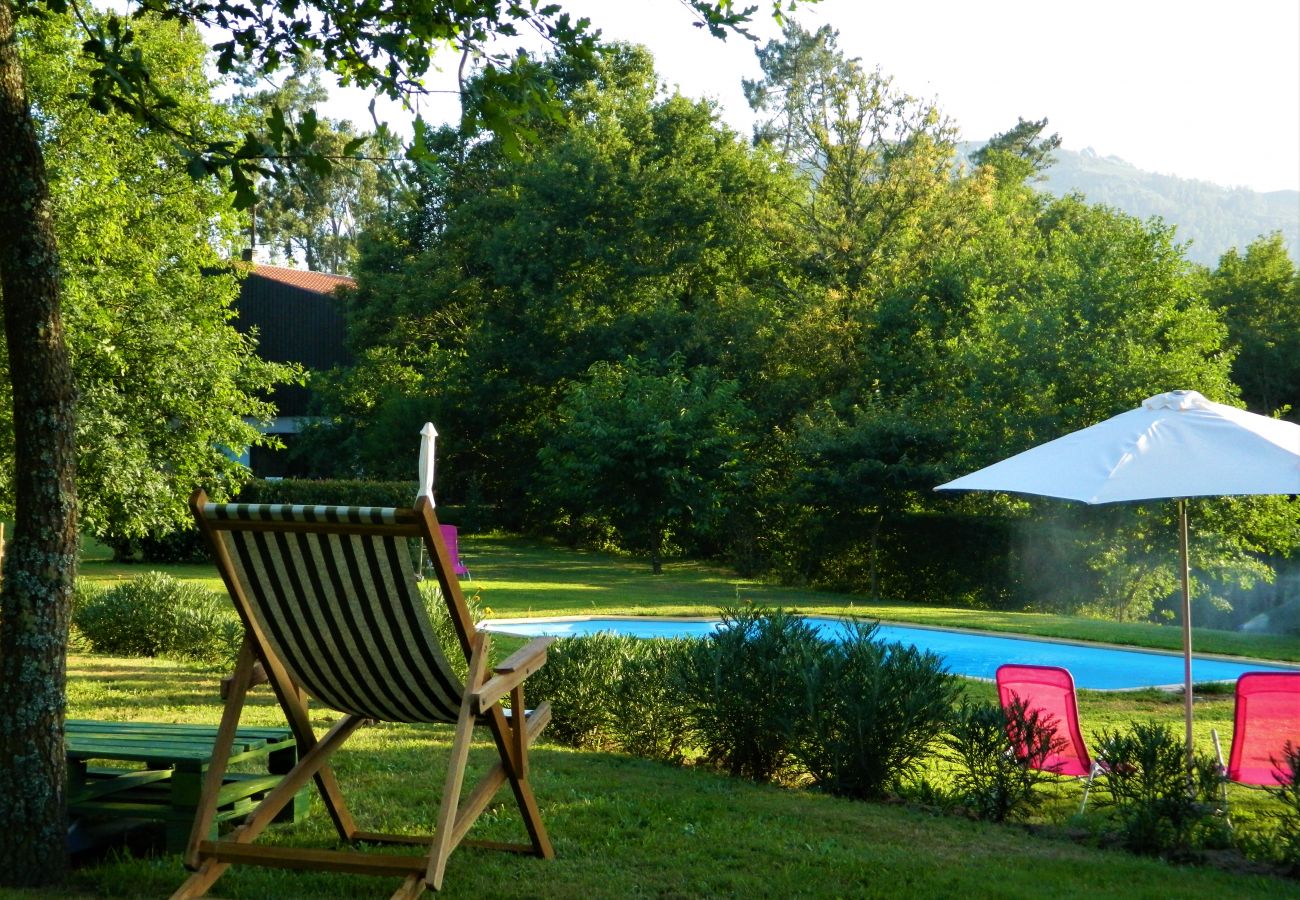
<point>320,282</point>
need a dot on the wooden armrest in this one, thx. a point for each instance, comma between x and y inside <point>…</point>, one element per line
<point>518,666</point>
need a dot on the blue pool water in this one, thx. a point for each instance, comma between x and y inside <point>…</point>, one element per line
<point>973,655</point>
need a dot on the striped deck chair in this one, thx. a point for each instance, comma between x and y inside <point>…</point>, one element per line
<point>330,608</point>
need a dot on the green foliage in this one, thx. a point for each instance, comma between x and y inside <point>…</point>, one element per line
<point>330,492</point>
<point>164,381</point>
<point>649,453</point>
<point>745,690</point>
<point>445,629</point>
<point>156,615</point>
<point>1285,845</point>
<point>83,593</point>
<point>872,711</point>
<point>614,692</point>
<point>316,213</point>
<point>643,333</point>
<point>580,679</point>
<point>650,716</point>
<point>1021,153</point>
<point>1160,808</point>
<point>648,232</point>
<point>993,782</point>
<point>1258,293</point>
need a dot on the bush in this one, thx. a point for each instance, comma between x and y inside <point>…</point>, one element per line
<point>744,689</point>
<point>330,492</point>
<point>870,712</point>
<point>650,714</point>
<point>1159,810</point>
<point>440,617</point>
<point>581,678</point>
<point>156,615</point>
<point>991,781</point>
<point>184,545</point>
<point>1286,839</point>
<point>83,592</point>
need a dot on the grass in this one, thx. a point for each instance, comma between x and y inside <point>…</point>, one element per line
<point>629,827</point>
<point>519,577</point>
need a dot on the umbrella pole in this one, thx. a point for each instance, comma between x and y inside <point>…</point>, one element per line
<point>1187,628</point>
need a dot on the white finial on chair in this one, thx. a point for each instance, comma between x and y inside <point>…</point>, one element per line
<point>428,436</point>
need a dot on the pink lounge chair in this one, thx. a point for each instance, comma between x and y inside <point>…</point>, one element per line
<point>1267,716</point>
<point>451,538</point>
<point>1049,690</point>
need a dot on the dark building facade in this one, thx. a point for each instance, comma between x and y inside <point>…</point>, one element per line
<point>298,320</point>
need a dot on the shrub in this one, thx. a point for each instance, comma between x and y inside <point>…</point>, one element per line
<point>580,679</point>
<point>744,689</point>
<point>156,615</point>
<point>83,593</point>
<point>1286,839</point>
<point>329,492</point>
<point>870,712</point>
<point>1159,809</point>
<point>184,545</point>
<point>991,781</point>
<point>440,617</point>
<point>650,718</point>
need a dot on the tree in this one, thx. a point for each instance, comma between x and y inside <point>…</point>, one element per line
<point>165,382</point>
<point>1020,153</point>
<point>1258,293</point>
<point>384,48</point>
<point>881,198</point>
<point>649,454</point>
<point>649,230</point>
<point>314,213</point>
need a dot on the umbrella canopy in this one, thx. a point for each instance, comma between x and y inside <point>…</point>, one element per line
<point>1176,445</point>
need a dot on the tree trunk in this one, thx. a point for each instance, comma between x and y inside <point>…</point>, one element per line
<point>41,562</point>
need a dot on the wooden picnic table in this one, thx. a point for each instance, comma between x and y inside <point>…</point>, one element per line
<point>166,785</point>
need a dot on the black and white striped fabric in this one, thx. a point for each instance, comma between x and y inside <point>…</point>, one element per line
<point>342,611</point>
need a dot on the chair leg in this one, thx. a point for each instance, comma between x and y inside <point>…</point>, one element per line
<point>517,772</point>
<point>443,843</point>
<point>308,766</point>
<point>294,705</point>
<point>1087,786</point>
<point>1223,775</point>
<point>212,781</point>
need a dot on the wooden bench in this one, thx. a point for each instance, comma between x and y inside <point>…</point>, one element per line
<point>166,787</point>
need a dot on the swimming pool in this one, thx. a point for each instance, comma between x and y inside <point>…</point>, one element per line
<point>966,653</point>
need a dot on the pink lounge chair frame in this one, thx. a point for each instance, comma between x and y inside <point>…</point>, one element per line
<point>1050,691</point>
<point>451,538</point>
<point>1267,715</point>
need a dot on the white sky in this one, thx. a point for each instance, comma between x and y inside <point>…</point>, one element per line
<point>1201,89</point>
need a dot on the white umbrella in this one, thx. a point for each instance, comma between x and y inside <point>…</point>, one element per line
<point>1176,445</point>
<point>428,439</point>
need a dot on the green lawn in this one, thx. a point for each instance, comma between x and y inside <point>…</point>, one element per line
<point>629,827</point>
<point>518,577</point>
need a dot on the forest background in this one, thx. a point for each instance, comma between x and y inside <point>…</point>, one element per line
<point>638,329</point>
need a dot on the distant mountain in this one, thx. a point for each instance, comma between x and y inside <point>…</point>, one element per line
<point>1213,218</point>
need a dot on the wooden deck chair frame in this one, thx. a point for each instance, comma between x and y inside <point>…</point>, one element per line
<point>353,533</point>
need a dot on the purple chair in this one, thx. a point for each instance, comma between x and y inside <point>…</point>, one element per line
<point>451,539</point>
